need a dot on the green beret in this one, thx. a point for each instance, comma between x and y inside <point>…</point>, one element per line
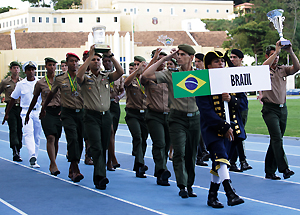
<point>187,48</point>
<point>14,63</point>
<point>50,59</point>
<point>208,58</point>
<point>161,53</point>
<point>63,61</point>
<point>139,58</point>
<point>270,47</point>
<point>131,64</point>
<point>174,61</point>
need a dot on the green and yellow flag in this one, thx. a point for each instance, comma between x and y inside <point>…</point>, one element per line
<point>191,83</point>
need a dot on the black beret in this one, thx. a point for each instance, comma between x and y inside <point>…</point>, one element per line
<point>187,48</point>
<point>199,56</point>
<point>131,64</point>
<point>14,63</point>
<point>139,58</point>
<point>210,56</point>
<point>50,59</point>
<point>238,53</point>
<point>161,53</point>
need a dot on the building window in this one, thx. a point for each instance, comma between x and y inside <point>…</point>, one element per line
<point>25,20</point>
<point>134,10</point>
<point>14,22</point>
<point>21,21</point>
<point>0,25</point>
<point>6,24</point>
<point>115,19</point>
<point>40,20</point>
<point>131,10</point>
<point>227,11</point>
<point>80,19</point>
<point>196,10</point>
<point>98,19</point>
<point>10,23</point>
<point>183,10</point>
<point>207,11</point>
<point>172,11</point>
<point>63,20</point>
<point>148,10</point>
<point>217,11</point>
<point>47,19</point>
<point>18,22</point>
<point>125,10</point>
<point>54,20</point>
<point>160,10</point>
<point>33,19</point>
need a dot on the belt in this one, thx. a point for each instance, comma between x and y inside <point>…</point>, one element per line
<point>134,110</point>
<point>186,114</point>
<point>166,113</point>
<point>95,112</point>
<point>72,110</point>
<point>274,105</point>
<point>53,107</point>
<point>112,100</point>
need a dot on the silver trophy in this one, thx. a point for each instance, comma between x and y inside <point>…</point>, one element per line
<point>275,16</point>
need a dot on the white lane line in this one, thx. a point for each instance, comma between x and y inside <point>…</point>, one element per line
<point>12,207</point>
<point>88,188</point>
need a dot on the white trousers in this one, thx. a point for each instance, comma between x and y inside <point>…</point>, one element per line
<point>31,133</point>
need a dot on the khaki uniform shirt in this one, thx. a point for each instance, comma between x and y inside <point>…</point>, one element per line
<point>135,98</point>
<point>187,104</point>
<point>116,87</point>
<point>41,87</point>
<point>68,98</point>
<point>8,85</point>
<point>96,92</point>
<point>277,94</point>
<point>157,96</point>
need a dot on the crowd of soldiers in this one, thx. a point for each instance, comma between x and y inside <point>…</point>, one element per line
<point>188,131</point>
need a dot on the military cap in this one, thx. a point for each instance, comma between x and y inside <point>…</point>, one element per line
<point>14,63</point>
<point>210,56</point>
<point>131,64</point>
<point>161,53</point>
<point>187,48</point>
<point>174,61</point>
<point>50,59</point>
<point>70,54</point>
<point>271,47</point>
<point>238,53</point>
<point>63,61</point>
<point>86,52</point>
<point>29,64</point>
<point>199,56</point>
<point>139,58</point>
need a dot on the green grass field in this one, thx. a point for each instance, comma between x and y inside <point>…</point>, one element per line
<point>256,124</point>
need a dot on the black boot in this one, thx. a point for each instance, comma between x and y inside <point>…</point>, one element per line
<point>213,200</point>
<point>232,198</point>
<point>16,154</point>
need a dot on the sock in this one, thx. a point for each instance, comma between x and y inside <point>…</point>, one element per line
<point>223,172</point>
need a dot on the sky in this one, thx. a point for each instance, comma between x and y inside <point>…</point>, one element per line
<point>16,3</point>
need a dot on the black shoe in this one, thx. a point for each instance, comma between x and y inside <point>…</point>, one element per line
<point>183,193</point>
<point>163,178</point>
<point>55,173</point>
<point>110,169</point>
<point>102,183</point>
<point>272,176</point>
<point>162,183</point>
<point>245,165</point>
<point>16,154</point>
<point>141,172</point>
<point>116,166</point>
<point>232,198</point>
<point>234,168</point>
<point>205,156</point>
<point>200,162</point>
<point>191,193</point>
<point>287,173</point>
<point>212,199</point>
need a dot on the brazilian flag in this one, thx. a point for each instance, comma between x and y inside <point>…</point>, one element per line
<point>191,83</point>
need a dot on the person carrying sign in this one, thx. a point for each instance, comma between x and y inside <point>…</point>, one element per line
<point>184,124</point>
<point>217,134</point>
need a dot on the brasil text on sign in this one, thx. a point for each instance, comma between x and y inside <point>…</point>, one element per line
<point>223,80</point>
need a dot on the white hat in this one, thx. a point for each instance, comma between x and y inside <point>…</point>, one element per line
<point>29,63</point>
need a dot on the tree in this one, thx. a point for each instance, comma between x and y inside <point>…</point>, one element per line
<point>37,3</point>
<point>5,9</point>
<point>65,4</point>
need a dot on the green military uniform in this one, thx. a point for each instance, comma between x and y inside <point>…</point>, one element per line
<point>97,119</point>
<point>274,113</point>
<point>71,114</point>
<point>116,88</point>
<point>135,119</point>
<point>14,119</point>
<point>184,125</point>
<point>51,123</point>
<point>157,121</point>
